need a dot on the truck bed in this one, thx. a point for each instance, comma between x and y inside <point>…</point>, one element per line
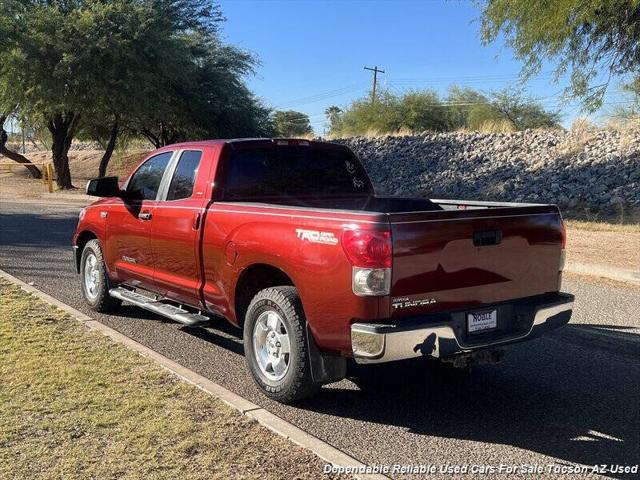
<point>455,254</point>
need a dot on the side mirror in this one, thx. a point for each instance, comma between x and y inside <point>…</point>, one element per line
<point>104,187</point>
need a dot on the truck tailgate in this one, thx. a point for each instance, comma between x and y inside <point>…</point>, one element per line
<point>458,259</point>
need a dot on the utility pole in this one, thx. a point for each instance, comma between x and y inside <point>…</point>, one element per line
<point>375,71</point>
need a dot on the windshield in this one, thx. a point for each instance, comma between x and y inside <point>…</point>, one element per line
<point>293,171</point>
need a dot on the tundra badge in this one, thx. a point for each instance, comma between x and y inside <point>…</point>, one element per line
<point>404,302</point>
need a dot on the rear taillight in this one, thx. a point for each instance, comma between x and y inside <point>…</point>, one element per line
<point>367,248</point>
<point>563,244</point>
<point>369,253</point>
<point>563,253</point>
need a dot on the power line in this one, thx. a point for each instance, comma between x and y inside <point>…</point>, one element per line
<point>488,77</point>
<point>321,95</point>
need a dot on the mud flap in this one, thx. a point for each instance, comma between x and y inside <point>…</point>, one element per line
<point>324,368</point>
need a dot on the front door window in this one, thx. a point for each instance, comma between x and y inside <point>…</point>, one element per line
<point>145,182</point>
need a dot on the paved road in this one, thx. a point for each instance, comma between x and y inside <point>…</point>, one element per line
<point>571,397</point>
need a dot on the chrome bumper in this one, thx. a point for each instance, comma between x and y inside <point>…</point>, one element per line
<point>379,343</point>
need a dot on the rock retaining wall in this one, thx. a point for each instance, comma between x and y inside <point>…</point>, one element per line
<point>590,172</point>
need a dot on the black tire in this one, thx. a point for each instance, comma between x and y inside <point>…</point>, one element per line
<point>100,301</point>
<point>297,382</point>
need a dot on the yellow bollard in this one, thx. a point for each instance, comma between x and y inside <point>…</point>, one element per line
<point>50,177</point>
<point>44,173</point>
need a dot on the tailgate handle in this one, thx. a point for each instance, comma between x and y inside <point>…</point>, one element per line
<point>487,237</point>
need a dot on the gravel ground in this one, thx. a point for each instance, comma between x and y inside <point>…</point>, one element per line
<point>570,398</point>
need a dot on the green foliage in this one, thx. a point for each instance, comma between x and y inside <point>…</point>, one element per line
<point>586,37</point>
<point>522,112</point>
<point>465,108</point>
<point>418,111</point>
<point>363,115</point>
<point>421,110</point>
<point>291,123</point>
<point>334,115</point>
<point>630,110</point>
<point>157,67</point>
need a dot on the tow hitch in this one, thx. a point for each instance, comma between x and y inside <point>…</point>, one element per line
<point>483,357</point>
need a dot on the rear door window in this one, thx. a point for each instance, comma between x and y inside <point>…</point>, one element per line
<point>185,175</point>
<point>145,182</point>
<point>267,172</point>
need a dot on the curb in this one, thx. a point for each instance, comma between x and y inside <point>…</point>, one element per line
<point>269,420</point>
<point>595,270</point>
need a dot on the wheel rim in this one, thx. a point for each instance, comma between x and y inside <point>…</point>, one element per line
<point>271,345</point>
<point>91,276</point>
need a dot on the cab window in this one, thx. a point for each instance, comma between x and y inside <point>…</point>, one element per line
<point>185,175</point>
<point>145,182</point>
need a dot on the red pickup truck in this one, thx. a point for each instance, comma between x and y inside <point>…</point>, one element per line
<point>287,240</point>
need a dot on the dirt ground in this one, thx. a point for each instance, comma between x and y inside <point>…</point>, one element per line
<point>587,242</point>
<point>16,183</point>
<point>617,249</point>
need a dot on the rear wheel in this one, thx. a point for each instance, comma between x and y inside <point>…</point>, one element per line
<point>275,345</point>
<point>95,281</point>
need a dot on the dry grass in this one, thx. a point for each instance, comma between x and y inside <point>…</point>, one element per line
<point>604,244</point>
<point>629,131</point>
<point>582,132</point>
<point>375,133</point>
<point>76,406</point>
<point>497,126</point>
<point>600,281</point>
<point>603,226</point>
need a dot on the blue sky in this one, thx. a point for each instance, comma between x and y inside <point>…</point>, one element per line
<point>313,52</point>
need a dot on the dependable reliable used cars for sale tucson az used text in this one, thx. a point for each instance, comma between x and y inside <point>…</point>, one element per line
<point>287,240</point>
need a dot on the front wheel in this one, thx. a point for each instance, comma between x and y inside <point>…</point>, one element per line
<point>275,345</point>
<point>95,281</point>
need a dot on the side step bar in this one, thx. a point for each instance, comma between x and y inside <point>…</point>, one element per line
<point>171,312</point>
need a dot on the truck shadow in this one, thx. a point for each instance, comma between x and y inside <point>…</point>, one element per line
<point>551,396</point>
<point>231,340</point>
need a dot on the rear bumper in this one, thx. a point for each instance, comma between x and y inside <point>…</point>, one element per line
<point>444,335</point>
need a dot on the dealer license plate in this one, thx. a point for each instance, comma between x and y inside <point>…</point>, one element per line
<point>481,321</point>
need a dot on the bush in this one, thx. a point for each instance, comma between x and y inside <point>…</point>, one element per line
<point>417,111</point>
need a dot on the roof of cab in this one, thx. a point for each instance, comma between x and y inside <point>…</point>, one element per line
<point>243,140</point>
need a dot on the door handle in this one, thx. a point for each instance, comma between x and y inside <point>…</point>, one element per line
<point>487,237</point>
<point>196,221</point>
<point>144,216</point>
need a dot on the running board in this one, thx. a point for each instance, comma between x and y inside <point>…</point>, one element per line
<point>171,312</point>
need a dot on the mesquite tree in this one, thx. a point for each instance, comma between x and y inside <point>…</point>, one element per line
<point>156,68</point>
<point>15,156</point>
<point>593,40</point>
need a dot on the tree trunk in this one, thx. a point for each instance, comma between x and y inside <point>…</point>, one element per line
<point>166,136</point>
<point>154,140</point>
<point>62,127</point>
<point>102,169</point>
<point>16,157</point>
